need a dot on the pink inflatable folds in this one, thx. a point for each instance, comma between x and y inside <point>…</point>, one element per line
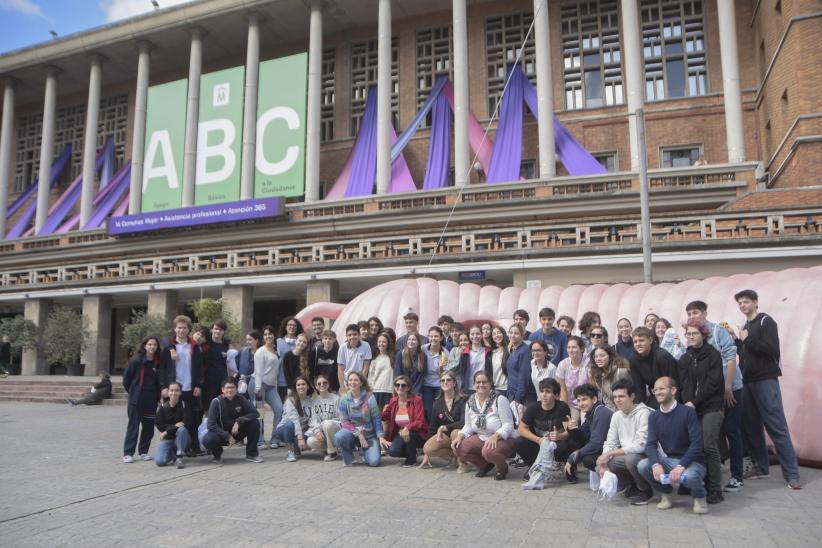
<point>792,297</point>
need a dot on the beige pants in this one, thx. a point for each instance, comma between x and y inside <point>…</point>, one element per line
<point>329,428</point>
<point>440,448</point>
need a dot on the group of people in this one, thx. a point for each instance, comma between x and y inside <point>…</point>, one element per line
<point>655,412</point>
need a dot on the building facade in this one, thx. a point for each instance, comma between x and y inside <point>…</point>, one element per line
<point>733,131</point>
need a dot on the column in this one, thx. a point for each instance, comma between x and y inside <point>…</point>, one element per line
<point>195,67</point>
<point>252,75</point>
<point>46,148</point>
<point>312,133</point>
<point>322,291</point>
<point>163,303</point>
<point>34,361</point>
<point>138,141</point>
<point>6,138</point>
<point>734,132</point>
<point>238,302</point>
<point>462,152</point>
<point>634,73</point>
<point>90,144</point>
<point>545,93</point>
<point>384,97</point>
<point>97,312</point>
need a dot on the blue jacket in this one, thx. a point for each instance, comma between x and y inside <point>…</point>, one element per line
<point>593,431</point>
<point>519,373</point>
<point>556,341</point>
<point>417,377</point>
<point>678,432</point>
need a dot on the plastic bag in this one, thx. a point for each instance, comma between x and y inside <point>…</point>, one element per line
<point>607,487</point>
<point>545,468</point>
<point>242,387</point>
<point>202,429</point>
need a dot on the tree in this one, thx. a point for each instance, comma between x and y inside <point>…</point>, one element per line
<point>21,335</point>
<point>207,311</point>
<point>65,335</point>
<point>143,325</point>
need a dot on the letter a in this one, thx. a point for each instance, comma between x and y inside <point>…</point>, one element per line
<point>167,170</point>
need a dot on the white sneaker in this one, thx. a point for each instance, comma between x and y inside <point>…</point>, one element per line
<point>145,457</point>
<point>291,457</point>
<point>128,459</point>
<point>664,502</point>
<point>329,457</point>
<point>274,444</point>
<point>700,506</point>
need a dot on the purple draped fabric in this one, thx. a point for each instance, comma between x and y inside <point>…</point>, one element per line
<point>507,155</point>
<point>119,185</point>
<point>401,180</point>
<point>411,130</point>
<point>56,168</point>
<point>364,165</point>
<point>439,147</point>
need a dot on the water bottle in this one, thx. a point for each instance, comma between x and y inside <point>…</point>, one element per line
<point>665,479</point>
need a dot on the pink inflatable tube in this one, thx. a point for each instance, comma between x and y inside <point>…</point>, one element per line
<point>792,297</point>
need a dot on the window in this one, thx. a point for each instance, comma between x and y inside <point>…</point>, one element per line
<point>528,169</point>
<point>673,45</point>
<point>608,160</point>
<point>503,37</point>
<point>70,122</point>
<point>591,55</point>
<point>681,156</point>
<point>364,74</point>
<point>327,95</point>
<point>434,57</point>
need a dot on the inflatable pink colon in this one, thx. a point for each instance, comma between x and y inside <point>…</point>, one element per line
<point>792,297</point>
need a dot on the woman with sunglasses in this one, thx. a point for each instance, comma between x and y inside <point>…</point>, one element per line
<point>447,418</point>
<point>573,372</point>
<point>599,337</point>
<point>403,421</point>
<point>325,419</point>
<point>485,441</point>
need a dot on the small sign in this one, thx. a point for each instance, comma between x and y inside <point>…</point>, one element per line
<point>472,276</point>
<point>221,94</point>
<point>533,284</point>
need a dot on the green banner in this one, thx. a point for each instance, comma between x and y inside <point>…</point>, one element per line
<point>220,137</point>
<point>165,139</point>
<point>280,157</point>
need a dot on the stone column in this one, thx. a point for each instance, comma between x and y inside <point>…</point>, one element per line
<point>34,361</point>
<point>312,133</point>
<point>252,76</point>
<point>90,144</point>
<point>322,291</point>
<point>138,141</point>
<point>734,132</point>
<point>384,97</point>
<point>462,151</point>
<point>96,354</point>
<point>46,148</point>
<point>634,73</point>
<point>6,139</point>
<point>238,301</point>
<point>163,303</point>
<point>545,94</point>
<point>195,67</point>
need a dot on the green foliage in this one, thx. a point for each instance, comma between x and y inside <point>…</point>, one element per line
<point>207,311</point>
<point>20,332</point>
<point>143,325</point>
<point>65,335</point>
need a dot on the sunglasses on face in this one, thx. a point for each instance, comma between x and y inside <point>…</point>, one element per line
<point>446,380</point>
<point>322,383</point>
<point>481,382</point>
<point>596,335</point>
<point>693,334</point>
<point>400,385</point>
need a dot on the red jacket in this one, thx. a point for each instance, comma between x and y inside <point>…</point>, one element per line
<point>416,415</point>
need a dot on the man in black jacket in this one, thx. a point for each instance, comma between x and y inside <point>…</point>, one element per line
<point>230,419</point>
<point>759,359</point>
<point>98,393</point>
<point>648,363</point>
<point>170,421</point>
<point>703,388</point>
<point>215,368</point>
<point>182,362</point>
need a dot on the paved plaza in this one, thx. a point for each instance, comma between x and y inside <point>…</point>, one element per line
<point>63,484</point>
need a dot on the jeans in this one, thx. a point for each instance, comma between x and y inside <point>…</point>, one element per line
<point>346,441</point>
<point>252,397</point>
<point>429,394</point>
<point>286,433</point>
<point>763,406</point>
<point>695,475</point>
<point>272,397</point>
<point>249,429</point>
<point>136,418</point>
<point>711,428</point>
<point>732,429</point>
<point>166,451</point>
<point>625,467</point>
<point>408,449</point>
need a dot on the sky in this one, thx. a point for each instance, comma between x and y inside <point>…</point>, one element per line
<point>27,22</point>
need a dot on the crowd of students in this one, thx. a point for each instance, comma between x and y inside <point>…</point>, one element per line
<point>655,412</point>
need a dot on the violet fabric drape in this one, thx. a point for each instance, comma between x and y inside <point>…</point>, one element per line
<point>113,192</point>
<point>58,165</point>
<point>507,155</point>
<point>364,165</point>
<point>439,146</point>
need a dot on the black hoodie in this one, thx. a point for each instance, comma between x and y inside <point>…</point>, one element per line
<point>759,355</point>
<point>645,370</point>
<point>701,380</point>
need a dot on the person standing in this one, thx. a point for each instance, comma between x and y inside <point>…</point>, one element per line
<point>412,325</point>
<point>245,363</point>
<point>518,365</point>
<point>648,363</point>
<point>290,327</point>
<point>625,344</point>
<point>142,382</point>
<point>553,337</point>
<point>760,360</point>
<point>354,355</point>
<point>215,368</point>
<point>324,359</point>
<point>436,358</point>
<point>573,371</point>
<point>267,364</point>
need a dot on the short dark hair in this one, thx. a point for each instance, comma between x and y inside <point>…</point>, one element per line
<point>219,324</point>
<point>270,329</point>
<point>624,384</point>
<point>328,333</point>
<point>228,380</point>
<point>547,313</point>
<point>317,319</point>
<point>696,305</point>
<point>568,319</point>
<point>586,389</point>
<point>411,316</point>
<point>747,294</point>
<point>352,327</point>
<point>522,313</point>
<point>362,323</point>
<point>642,331</point>
<point>587,320</point>
<point>550,384</point>
<point>177,383</point>
<point>437,329</point>
<point>445,318</point>
<point>254,334</point>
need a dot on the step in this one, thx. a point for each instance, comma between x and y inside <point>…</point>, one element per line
<point>34,387</point>
<point>60,400</point>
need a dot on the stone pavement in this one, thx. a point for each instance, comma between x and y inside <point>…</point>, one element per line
<point>63,484</point>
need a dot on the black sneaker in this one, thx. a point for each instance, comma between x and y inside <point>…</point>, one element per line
<point>499,476</point>
<point>631,491</point>
<point>571,477</point>
<point>180,463</point>
<point>526,476</point>
<point>642,498</point>
<point>734,485</point>
<point>484,472</point>
<point>715,497</point>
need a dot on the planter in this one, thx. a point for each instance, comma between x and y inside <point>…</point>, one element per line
<point>76,369</point>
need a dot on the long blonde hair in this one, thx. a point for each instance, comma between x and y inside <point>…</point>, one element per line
<point>407,357</point>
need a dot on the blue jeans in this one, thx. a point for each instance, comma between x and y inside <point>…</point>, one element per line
<point>169,448</point>
<point>346,441</point>
<point>408,449</point>
<point>694,481</point>
<point>732,429</point>
<point>429,394</point>
<point>272,398</point>
<point>286,433</point>
<point>763,406</point>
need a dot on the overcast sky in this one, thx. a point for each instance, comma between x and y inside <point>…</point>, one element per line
<point>27,22</point>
